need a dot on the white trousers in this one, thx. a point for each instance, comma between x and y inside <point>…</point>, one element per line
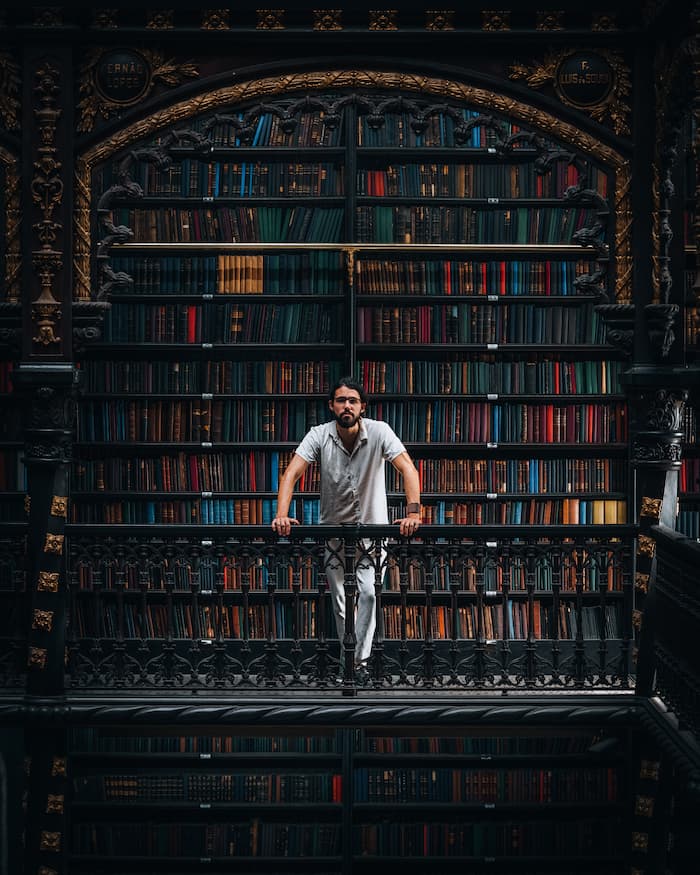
<point>365,571</point>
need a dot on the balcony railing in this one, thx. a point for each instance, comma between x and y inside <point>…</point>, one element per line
<point>672,628</point>
<point>458,608</point>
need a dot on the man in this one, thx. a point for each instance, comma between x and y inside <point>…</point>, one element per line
<point>351,452</point>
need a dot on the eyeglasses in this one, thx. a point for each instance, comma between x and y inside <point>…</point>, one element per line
<point>342,399</point>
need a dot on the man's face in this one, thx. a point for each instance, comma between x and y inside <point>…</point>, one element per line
<point>346,407</point>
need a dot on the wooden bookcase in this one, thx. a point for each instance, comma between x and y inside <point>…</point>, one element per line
<point>345,798</point>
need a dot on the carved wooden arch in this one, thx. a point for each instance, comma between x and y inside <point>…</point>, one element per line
<point>323,80</point>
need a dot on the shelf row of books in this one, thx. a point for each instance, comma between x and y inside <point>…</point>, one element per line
<point>511,620</point>
<point>486,785</point>
<point>106,740</point>
<point>257,470</point>
<point>314,323</point>
<point>261,511</point>
<point>464,224</point>
<point>391,785</point>
<point>200,786</point>
<point>321,272</point>
<point>477,323</point>
<point>254,420</point>
<point>399,275</point>
<point>218,377</point>
<point>589,570</point>
<point>272,177</point>
<point>324,272</point>
<point>582,838</point>
<point>308,323</point>
<point>373,224</point>
<point>464,374</point>
<point>253,838</point>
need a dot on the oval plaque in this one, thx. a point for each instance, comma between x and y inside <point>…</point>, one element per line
<point>122,76</point>
<point>584,79</point>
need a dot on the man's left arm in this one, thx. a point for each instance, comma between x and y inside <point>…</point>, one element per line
<point>409,524</point>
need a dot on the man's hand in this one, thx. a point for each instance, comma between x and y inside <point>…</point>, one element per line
<point>282,525</point>
<point>408,525</point>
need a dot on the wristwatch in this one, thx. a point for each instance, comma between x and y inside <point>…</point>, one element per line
<point>413,507</point>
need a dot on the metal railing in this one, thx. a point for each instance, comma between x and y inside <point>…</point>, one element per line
<point>458,608</point>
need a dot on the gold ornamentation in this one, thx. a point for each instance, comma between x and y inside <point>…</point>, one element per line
<point>47,195</point>
<point>270,19</point>
<point>9,89</point>
<point>37,657</point>
<point>55,803</point>
<point>47,16</point>
<point>550,21</point>
<point>13,261</point>
<point>46,316</point>
<point>649,770</point>
<point>48,581</point>
<point>215,19</point>
<point>50,841</point>
<point>160,19</point>
<point>646,546</point>
<point>495,19</point>
<point>327,19</point>
<point>613,106</point>
<point>54,544</point>
<point>637,616</point>
<point>603,22</point>
<point>92,103</point>
<point>383,19</point>
<point>59,767</point>
<point>644,806</point>
<point>316,80</point>
<point>640,841</point>
<point>651,507</point>
<point>623,235</point>
<point>104,19</point>
<point>27,503</point>
<point>59,506</point>
<point>641,581</point>
<point>439,19</point>
<point>42,620</point>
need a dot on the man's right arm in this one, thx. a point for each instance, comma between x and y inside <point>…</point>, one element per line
<point>282,523</point>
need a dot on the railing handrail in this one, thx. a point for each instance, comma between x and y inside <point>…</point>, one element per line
<point>475,532</point>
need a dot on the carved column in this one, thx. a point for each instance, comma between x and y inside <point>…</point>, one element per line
<point>656,459</point>
<point>45,378</point>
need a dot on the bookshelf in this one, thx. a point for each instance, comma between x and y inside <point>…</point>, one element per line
<point>344,798</point>
<point>451,259</point>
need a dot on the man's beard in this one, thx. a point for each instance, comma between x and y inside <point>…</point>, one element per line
<point>347,420</point>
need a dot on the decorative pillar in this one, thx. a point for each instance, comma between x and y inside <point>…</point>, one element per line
<point>656,436</point>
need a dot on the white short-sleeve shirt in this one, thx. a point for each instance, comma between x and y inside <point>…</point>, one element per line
<point>353,486</point>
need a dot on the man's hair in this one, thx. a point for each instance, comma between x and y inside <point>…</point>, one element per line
<point>349,383</point>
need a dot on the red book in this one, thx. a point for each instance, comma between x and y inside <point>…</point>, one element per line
<point>192,324</point>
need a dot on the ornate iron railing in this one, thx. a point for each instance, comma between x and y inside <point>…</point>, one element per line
<point>459,608</point>
<point>672,627</point>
